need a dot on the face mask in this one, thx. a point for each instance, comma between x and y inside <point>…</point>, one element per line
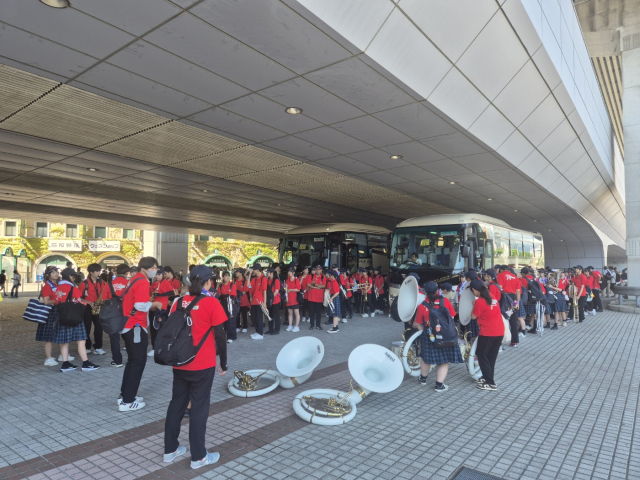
<point>152,273</point>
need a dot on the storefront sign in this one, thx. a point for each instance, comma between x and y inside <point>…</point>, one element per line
<point>65,245</point>
<point>104,245</point>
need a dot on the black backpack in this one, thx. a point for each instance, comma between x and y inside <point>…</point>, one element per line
<point>443,328</point>
<point>70,313</point>
<point>111,316</point>
<point>535,292</point>
<point>174,343</point>
<point>506,303</point>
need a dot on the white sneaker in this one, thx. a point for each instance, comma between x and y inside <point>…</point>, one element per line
<point>238,330</point>
<point>257,337</point>
<point>289,328</point>
<point>130,407</point>
<point>373,314</point>
<point>138,399</point>
<point>170,457</point>
<point>379,311</point>
<point>99,351</point>
<point>150,354</point>
<point>365,315</point>
<point>229,341</point>
<point>50,362</point>
<point>527,327</point>
<point>244,330</point>
<point>71,358</point>
<point>295,329</point>
<point>210,459</point>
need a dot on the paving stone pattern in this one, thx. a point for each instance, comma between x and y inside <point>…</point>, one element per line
<point>566,408</point>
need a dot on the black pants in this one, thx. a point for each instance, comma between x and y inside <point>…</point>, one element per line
<point>15,289</point>
<point>315,313</point>
<point>194,386</point>
<point>487,352</point>
<point>230,324</point>
<point>368,304</point>
<point>136,361</point>
<point>89,319</point>
<point>581,302</point>
<point>256,318</point>
<point>514,325</point>
<point>244,311</point>
<point>116,354</point>
<point>347,308</point>
<point>304,307</point>
<point>357,296</point>
<point>274,313</point>
<point>597,301</point>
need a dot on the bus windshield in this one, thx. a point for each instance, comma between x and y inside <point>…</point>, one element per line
<point>428,246</point>
<point>305,249</point>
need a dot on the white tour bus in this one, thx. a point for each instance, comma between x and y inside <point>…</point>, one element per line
<point>348,245</point>
<point>441,247</point>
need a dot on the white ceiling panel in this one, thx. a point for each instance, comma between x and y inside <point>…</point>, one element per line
<point>492,128</point>
<point>379,159</point>
<point>198,42</point>
<point>152,62</point>
<point>438,19</point>
<point>136,17</point>
<point>346,165</point>
<point>66,27</point>
<point>314,101</point>
<point>523,94</point>
<point>446,168</point>
<point>383,178</point>
<point>454,145</point>
<point>558,141</point>
<point>334,140</point>
<point>270,113</point>
<point>515,149</point>
<point>129,85</point>
<point>481,162</point>
<point>360,85</point>
<point>300,148</point>
<point>372,131</point>
<point>544,120</point>
<point>415,120</point>
<point>274,30</point>
<point>494,57</point>
<point>414,152</point>
<point>412,172</point>
<point>243,127</point>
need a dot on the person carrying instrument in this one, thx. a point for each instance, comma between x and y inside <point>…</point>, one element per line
<point>512,287</point>
<point>334,308</point>
<point>258,294</point>
<point>91,292</point>
<point>590,308</point>
<point>579,283</point>
<point>345,296</point>
<point>431,355</point>
<point>113,288</point>
<point>242,290</point>
<point>367,297</point>
<point>227,295</point>
<point>486,311</point>
<point>378,286</point>
<point>316,287</point>
<point>273,301</point>
<point>293,287</point>
<point>305,280</point>
<point>597,280</point>
<point>176,284</point>
<point>558,289</point>
<point>160,290</point>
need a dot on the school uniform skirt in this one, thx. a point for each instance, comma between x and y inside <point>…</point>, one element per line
<point>437,356</point>
<point>561,304</point>
<point>473,327</point>
<point>337,310</point>
<point>62,334</point>
<point>46,331</point>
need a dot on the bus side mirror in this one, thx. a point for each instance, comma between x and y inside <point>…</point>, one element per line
<point>465,251</point>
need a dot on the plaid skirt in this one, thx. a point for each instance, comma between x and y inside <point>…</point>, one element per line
<point>473,327</point>
<point>62,334</point>
<point>437,356</point>
<point>561,304</point>
<point>531,309</point>
<point>337,310</point>
<point>45,332</point>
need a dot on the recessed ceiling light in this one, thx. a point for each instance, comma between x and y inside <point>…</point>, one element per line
<point>395,157</point>
<point>205,191</point>
<point>452,183</point>
<point>561,240</point>
<point>293,110</point>
<point>92,169</point>
<point>549,229</point>
<point>515,210</point>
<point>56,3</point>
<point>535,220</point>
<point>489,199</point>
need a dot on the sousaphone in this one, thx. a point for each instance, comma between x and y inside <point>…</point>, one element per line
<point>373,367</point>
<point>409,297</point>
<point>297,359</point>
<point>465,307</point>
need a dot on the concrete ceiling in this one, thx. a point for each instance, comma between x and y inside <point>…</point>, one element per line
<point>168,99</point>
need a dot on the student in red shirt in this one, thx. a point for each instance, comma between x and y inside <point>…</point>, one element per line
<point>46,331</point>
<point>136,299</point>
<point>116,286</point>
<point>258,293</point>
<point>590,283</point>
<point>64,334</point>
<point>345,296</point>
<point>493,285</point>
<point>274,309</point>
<point>378,287</point>
<point>176,284</point>
<point>305,280</point>
<point>315,294</point>
<point>228,294</point>
<point>334,308</point>
<point>487,311</point>
<point>292,287</point>
<point>580,283</point>
<point>366,295</point>
<point>91,290</point>
<point>193,381</point>
<point>597,278</point>
<point>160,290</point>
<point>242,289</point>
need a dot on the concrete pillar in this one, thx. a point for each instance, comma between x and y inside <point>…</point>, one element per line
<point>631,129</point>
<point>173,250</point>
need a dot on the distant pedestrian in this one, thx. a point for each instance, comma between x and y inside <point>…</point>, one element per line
<point>3,281</point>
<point>17,279</point>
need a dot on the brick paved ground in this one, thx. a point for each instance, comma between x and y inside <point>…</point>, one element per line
<point>566,408</point>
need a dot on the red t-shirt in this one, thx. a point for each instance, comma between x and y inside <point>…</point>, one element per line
<point>257,289</point>
<point>366,284</point>
<point>589,282</point>
<point>305,281</point>
<point>316,294</point>
<point>175,284</point>
<point>344,281</point>
<point>333,287</point>
<point>562,284</point>
<point>495,291</point>
<point>241,286</point>
<point>579,281</point>
<point>489,317</point>
<point>597,277</point>
<point>275,289</point>
<point>93,289</point>
<point>206,314</point>
<point>509,282</point>
<point>138,293</point>
<point>378,282</point>
<point>422,315</point>
<point>63,290</point>
<point>47,290</point>
<point>163,286</point>
<point>292,297</point>
<point>119,286</point>
<point>228,289</point>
